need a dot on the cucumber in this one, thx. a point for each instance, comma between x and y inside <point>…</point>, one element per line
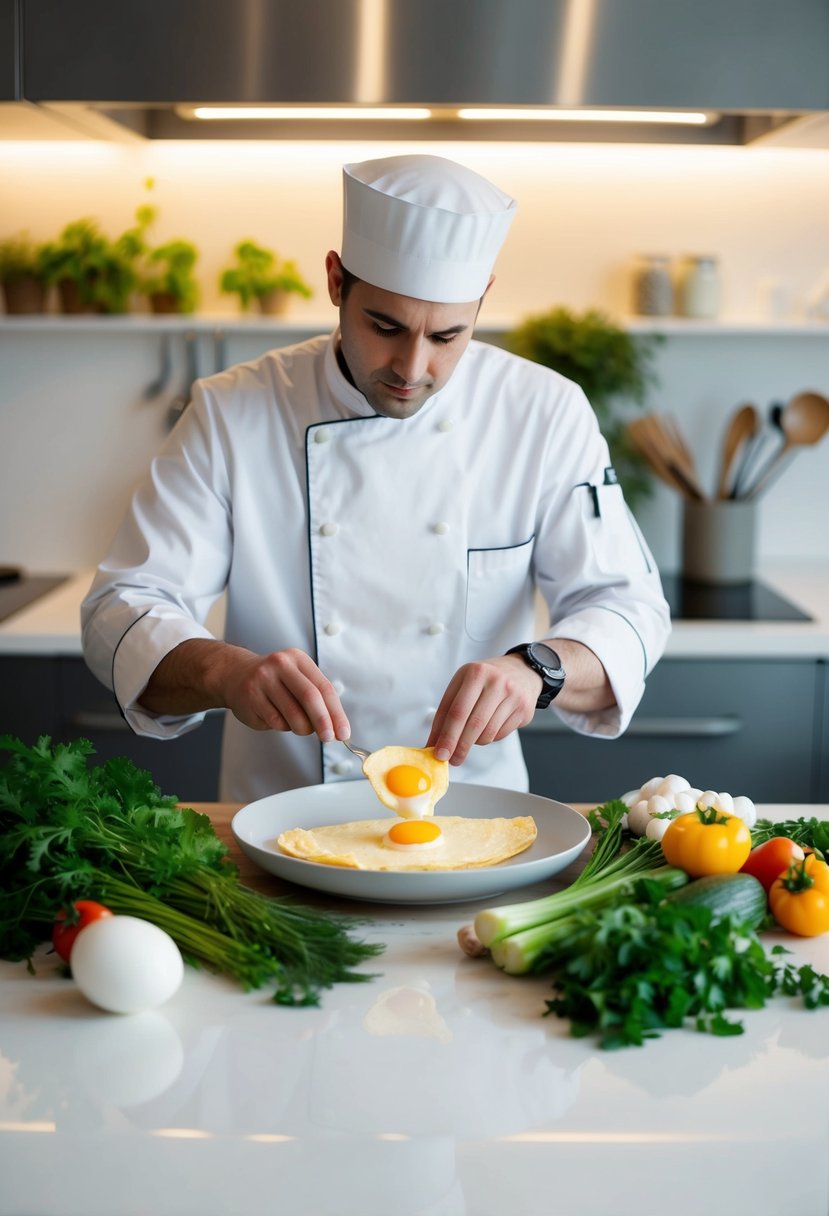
<point>740,896</point>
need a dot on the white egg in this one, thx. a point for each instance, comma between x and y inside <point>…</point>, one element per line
<point>631,798</point>
<point>126,965</point>
<point>658,803</point>
<point>638,817</point>
<point>673,784</point>
<point>685,801</point>
<point>695,794</point>
<point>650,787</point>
<point>725,803</point>
<point>657,828</point>
<point>708,798</point>
<point>745,809</point>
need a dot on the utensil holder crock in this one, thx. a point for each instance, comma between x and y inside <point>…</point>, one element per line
<point>718,541</point>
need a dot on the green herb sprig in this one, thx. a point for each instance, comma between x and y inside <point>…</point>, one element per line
<point>811,833</point>
<point>70,829</point>
<point>633,970</point>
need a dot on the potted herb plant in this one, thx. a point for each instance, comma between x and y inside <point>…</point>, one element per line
<point>21,275</point>
<point>92,273</point>
<point>260,276</point>
<point>169,280</point>
<point>612,366</point>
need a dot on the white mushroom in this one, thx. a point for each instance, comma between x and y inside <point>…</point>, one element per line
<point>638,817</point>
<point>672,784</point>
<point>745,809</point>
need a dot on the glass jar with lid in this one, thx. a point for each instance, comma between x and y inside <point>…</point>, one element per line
<point>699,287</point>
<point>653,289</point>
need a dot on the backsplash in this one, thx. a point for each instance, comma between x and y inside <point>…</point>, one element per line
<point>77,430</point>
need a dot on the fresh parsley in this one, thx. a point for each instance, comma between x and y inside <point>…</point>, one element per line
<point>636,969</point>
<point>70,829</point>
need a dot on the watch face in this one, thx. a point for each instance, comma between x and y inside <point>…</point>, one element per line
<point>547,657</point>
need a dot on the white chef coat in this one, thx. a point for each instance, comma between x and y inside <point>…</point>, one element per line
<point>392,551</point>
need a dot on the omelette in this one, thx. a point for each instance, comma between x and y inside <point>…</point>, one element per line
<point>437,843</point>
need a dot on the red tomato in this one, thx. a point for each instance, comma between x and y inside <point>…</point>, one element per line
<point>768,861</point>
<point>68,926</point>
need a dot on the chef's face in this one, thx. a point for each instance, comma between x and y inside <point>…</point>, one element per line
<point>399,351</point>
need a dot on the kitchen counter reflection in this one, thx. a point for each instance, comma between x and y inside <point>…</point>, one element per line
<point>436,1088</point>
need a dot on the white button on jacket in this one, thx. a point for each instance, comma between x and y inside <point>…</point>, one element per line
<point>272,453</point>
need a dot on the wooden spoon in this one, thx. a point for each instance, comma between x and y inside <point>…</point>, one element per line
<point>675,452</point>
<point>742,426</point>
<point>642,438</point>
<point>804,421</point>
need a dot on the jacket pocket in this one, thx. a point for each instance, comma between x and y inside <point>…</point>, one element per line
<point>499,589</point>
<point>618,545</point>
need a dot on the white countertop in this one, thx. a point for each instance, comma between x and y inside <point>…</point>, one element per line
<point>436,1089</point>
<point>51,625</point>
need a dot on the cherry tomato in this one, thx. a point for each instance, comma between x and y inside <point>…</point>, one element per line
<point>69,924</point>
<point>799,899</point>
<point>768,861</point>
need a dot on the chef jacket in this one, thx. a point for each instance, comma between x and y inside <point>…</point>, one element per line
<point>392,551</point>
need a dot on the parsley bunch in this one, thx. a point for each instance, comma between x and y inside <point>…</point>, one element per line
<point>810,833</point>
<point>633,970</point>
<point>69,830</point>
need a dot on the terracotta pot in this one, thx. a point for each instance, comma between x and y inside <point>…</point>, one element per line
<point>273,303</point>
<point>70,299</point>
<point>24,295</point>
<point>164,302</point>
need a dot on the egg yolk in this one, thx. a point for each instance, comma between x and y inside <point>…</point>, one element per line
<point>414,831</point>
<point>407,781</point>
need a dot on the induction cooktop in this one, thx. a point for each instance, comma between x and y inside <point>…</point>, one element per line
<point>18,590</point>
<point>752,601</point>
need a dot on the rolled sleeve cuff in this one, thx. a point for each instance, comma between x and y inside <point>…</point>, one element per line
<point>619,647</point>
<point>141,649</point>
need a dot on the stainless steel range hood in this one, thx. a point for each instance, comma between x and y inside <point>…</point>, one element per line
<point>753,66</point>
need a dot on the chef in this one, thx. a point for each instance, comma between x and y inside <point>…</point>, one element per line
<point>384,509</point>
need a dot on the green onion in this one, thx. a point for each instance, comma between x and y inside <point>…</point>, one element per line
<point>527,936</point>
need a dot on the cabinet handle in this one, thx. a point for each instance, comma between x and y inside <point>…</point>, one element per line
<point>103,719</point>
<point>654,728</point>
<point>109,719</point>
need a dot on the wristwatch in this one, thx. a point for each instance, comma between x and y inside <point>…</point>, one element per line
<point>545,661</point>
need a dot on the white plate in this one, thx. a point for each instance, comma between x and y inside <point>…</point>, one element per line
<point>562,835</point>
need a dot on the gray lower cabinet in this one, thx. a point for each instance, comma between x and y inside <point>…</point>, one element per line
<point>60,697</point>
<point>747,726</point>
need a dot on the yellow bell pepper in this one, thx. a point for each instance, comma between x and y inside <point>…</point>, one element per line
<point>707,841</point>
<point>799,899</point>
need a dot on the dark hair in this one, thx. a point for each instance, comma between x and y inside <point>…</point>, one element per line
<point>349,280</point>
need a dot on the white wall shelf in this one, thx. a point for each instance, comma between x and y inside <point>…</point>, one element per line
<point>141,323</point>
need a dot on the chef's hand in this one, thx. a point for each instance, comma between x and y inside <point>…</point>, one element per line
<point>283,691</point>
<point>485,701</point>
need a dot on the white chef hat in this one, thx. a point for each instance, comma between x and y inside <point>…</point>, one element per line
<point>423,226</point>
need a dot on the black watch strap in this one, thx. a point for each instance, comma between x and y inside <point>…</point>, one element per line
<point>543,660</point>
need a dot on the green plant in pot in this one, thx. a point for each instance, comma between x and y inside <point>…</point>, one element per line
<point>612,366</point>
<point>260,276</point>
<point>169,280</point>
<point>21,275</point>
<point>91,272</point>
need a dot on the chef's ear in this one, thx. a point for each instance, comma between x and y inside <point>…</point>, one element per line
<point>334,271</point>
